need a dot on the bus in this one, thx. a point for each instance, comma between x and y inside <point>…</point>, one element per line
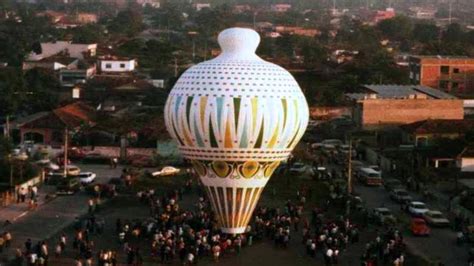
<point>370,177</point>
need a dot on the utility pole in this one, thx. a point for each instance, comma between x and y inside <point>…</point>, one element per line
<point>349,169</point>
<point>175,67</point>
<point>65,151</point>
<point>7,129</point>
<point>10,157</point>
<point>255,20</point>
<point>450,11</point>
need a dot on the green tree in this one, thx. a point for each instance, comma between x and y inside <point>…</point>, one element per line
<point>128,22</point>
<point>397,28</point>
<point>425,32</point>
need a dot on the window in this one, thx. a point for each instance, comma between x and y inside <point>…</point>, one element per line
<point>108,65</point>
<point>456,70</point>
<point>443,84</point>
<point>122,65</point>
<point>455,86</point>
<point>445,69</point>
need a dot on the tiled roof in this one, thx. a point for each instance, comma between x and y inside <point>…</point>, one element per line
<point>76,114</point>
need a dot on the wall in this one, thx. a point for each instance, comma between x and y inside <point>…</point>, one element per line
<point>431,72</point>
<point>379,112</point>
<point>110,151</point>
<point>328,112</point>
<point>115,65</point>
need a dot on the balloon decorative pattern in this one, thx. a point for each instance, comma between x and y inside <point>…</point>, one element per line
<point>236,117</point>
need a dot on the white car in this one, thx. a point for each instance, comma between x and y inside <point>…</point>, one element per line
<point>333,142</point>
<point>436,218</point>
<point>417,208</point>
<point>87,177</point>
<point>298,168</point>
<point>167,170</point>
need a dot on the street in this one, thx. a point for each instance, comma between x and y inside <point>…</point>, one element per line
<point>52,217</point>
<point>440,245</point>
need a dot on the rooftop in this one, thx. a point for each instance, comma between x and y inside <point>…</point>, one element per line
<point>439,126</point>
<point>440,57</point>
<point>399,92</point>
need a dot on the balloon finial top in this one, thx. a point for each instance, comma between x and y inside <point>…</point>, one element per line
<point>239,42</point>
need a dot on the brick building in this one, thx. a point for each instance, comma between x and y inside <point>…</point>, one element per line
<point>450,74</point>
<point>384,105</point>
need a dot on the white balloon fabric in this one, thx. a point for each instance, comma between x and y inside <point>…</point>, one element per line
<point>236,117</point>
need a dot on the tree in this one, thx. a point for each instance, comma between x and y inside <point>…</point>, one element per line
<point>425,32</point>
<point>397,28</point>
<point>128,22</point>
<point>453,34</point>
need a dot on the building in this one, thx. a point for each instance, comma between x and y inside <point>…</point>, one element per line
<point>384,105</point>
<point>80,73</point>
<point>423,133</point>
<point>381,15</point>
<point>49,127</point>
<point>86,18</point>
<point>280,8</point>
<point>423,13</point>
<point>450,74</point>
<point>201,6</point>
<point>55,62</point>
<point>150,3</point>
<point>300,31</point>
<point>342,56</point>
<point>466,160</point>
<point>115,64</point>
<point>242,8</point>
<point>74,50</point>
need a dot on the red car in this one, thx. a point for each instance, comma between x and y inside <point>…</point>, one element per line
<point>419,227</point>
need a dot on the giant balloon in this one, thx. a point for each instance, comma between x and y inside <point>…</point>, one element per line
<point>236,117</point>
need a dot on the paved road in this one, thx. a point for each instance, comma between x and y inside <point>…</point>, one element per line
<point>440,245</point>
<point>49,219</point>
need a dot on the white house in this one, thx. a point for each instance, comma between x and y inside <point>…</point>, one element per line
<point>466,160</point>
<point>113,64</point>
<point>201,6</point>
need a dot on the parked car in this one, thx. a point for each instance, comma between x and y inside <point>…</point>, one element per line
<point>418,227</point>
<point>72,170</point>
<point>87,177</point>
<point>400,195</point>
<point>167,170</point>
<point>298,168</point>
<point>334,142</point>
<point>417,208</point>
<point>436,218</point>
<point>383,216</point>
<point>68,186</point>
<point>391,183</point>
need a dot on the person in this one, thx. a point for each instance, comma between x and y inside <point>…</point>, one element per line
<point>8,239</point>
<point>2,243</point>
<point>216,251</point>
<point>58,250</point>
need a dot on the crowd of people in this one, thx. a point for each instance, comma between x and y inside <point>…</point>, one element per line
<point>387,248</point>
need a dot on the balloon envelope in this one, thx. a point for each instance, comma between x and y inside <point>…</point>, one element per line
<point>236,117</point>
